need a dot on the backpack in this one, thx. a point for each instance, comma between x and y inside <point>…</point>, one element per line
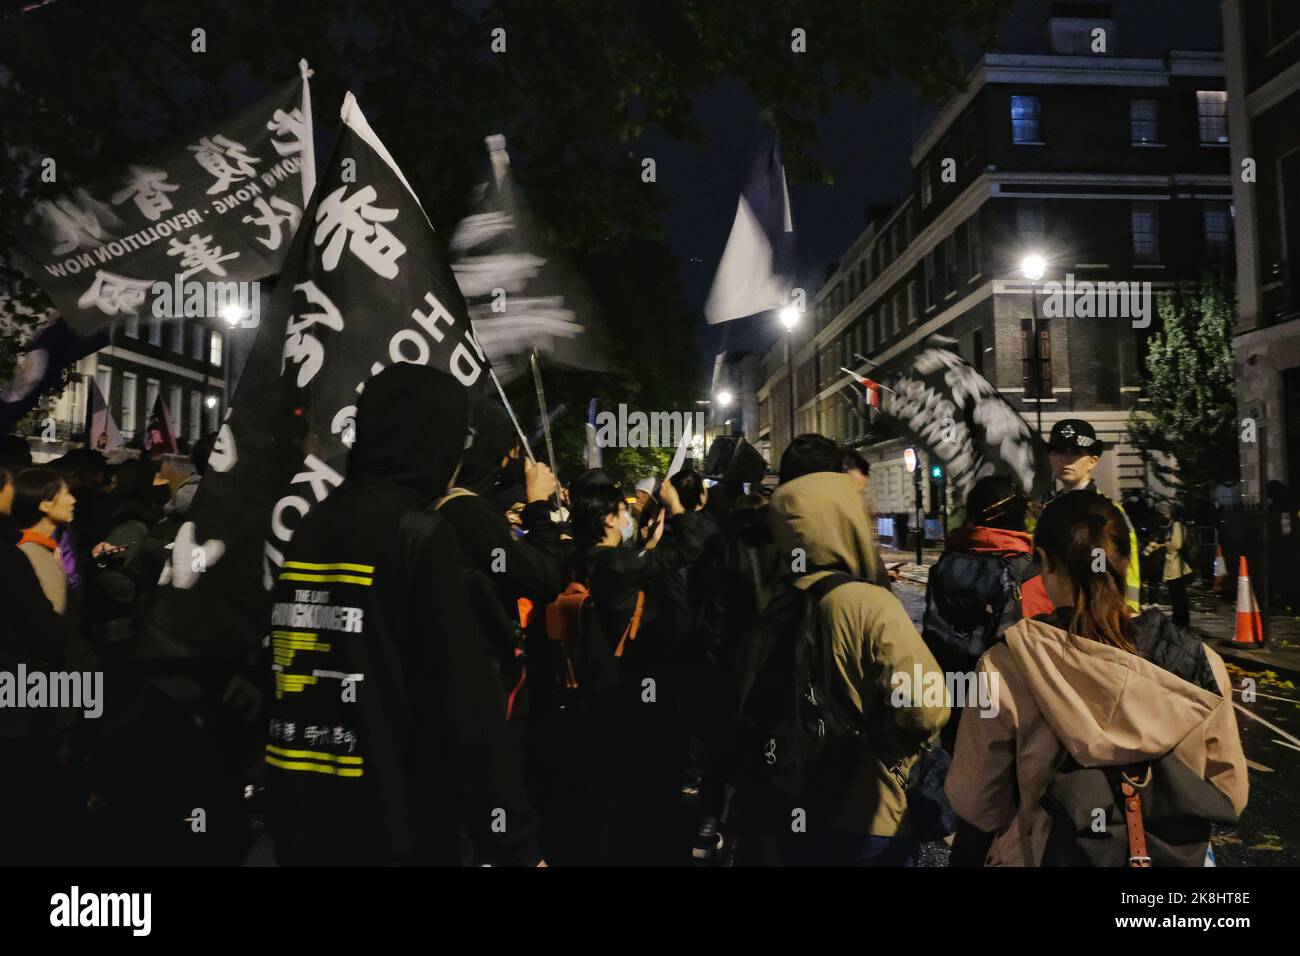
<point>589,664</point>
<point>1191,550</point>
<point>1157,813</point>
<point>970,601</point>
<point>794,737</point>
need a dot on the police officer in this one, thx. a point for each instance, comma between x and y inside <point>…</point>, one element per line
<point>1075,453</point>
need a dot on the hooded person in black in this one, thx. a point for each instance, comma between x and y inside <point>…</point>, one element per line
<point>387,736</point>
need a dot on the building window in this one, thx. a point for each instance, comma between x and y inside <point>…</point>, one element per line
<point>1031,222</point>
<point>196,416</point>
<point>128,404</point>
<point>178,336</point>
<point>973,244</point>
<point>155,333</point>
<point>977,350</point>
<point>174,407</point>
<point>911,301</point>
<point>1044,360</point>
<point>104,379</point>
<point>898,311</point>
<point>151,389</point>
<point>213,405</point>
<point>214,349</point>
<point>862,274</point>
<point>1218,231</point>
<point>871,333</point>
<point>885,318</point>
<point>1144,121</point>
<point>1026,119</point>
<point>198,337</point>
<point>909,226</point>
<point>927,189</point>
<point>930,291</point>
<point>952,263</point>
<point>1212,115</point>
<point>1145,219</point>
<point>133,326</point>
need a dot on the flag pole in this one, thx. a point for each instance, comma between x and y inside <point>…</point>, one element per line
<point>511,412</point>
<point>546,420</point>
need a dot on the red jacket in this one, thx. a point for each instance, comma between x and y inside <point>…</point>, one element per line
<point>978,539</point>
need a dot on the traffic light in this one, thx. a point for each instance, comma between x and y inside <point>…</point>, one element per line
<point>936,472</point>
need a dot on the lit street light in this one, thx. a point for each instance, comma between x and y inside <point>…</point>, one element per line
<point>789,317</point>
<point>1034,266</point>
<point>233,314</point>
<point>724,398</point>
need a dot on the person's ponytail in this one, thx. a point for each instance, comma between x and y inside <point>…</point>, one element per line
<point>1087,536</point>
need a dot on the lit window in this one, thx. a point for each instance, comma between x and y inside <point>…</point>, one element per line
<point>1212,114</point>
<point>1026,119</point>
<point>214,349</point>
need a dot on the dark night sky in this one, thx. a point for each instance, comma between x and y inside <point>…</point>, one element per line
<point>865,145</point>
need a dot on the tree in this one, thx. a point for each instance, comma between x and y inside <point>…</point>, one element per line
<point>577,88</point>
<point>1189,438</point>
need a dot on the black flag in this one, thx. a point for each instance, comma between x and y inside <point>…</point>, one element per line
<point>952,411</point>
<point>364,286</point>
<point>220,206</point>
<point>522,295</point>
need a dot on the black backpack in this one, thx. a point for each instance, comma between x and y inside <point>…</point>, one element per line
<point>1178,808</point>
<point>970,601</point>
<point>795,736</point>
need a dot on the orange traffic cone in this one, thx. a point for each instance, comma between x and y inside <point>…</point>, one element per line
<point>1250,625</point>
<point>1220,569</point>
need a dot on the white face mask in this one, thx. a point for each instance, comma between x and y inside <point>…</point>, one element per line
<point>629,526</point>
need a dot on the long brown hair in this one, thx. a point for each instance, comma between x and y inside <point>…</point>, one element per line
<point>1074,531</point>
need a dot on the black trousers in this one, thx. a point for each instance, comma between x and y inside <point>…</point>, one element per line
<point>1178,597</point>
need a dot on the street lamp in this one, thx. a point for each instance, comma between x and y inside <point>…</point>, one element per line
<point>789,317</point>
<point>233,313</point>
<point>1034,266</point>
<point>724,398</point>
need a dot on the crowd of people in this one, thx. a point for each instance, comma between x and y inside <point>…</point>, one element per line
<point>470,660</point>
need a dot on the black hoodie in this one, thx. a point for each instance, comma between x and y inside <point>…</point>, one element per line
<point>387,732</point>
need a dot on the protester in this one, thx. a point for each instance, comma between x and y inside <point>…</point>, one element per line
<point>509,577</point>
<point>130,570</point>
<point>1075,452</point>
<point>645,489</point>
<point>42,505</point>
<point>409,720</point>
<point>638,743</point>
<point>184,495</point>
<point>1087,687</point>
<point>821,527</point>
<point>987,579</point>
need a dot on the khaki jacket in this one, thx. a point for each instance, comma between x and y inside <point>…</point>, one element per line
<point>822,516</point>
<point>1058,692</point>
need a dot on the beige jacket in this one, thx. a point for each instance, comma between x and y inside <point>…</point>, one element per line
<point>49,572</point>
<point>1107,707</point>
<point>819,520</point>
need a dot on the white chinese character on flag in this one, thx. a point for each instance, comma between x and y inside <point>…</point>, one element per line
<point>148,187</point>
<point>271,219</point>
<point>338,218</point>
<point>196,256</point>
<point>216,153</point>
<point>112,294</point>
<point>289,124</point>
<point>72,225</point>
<point>301,347</point>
